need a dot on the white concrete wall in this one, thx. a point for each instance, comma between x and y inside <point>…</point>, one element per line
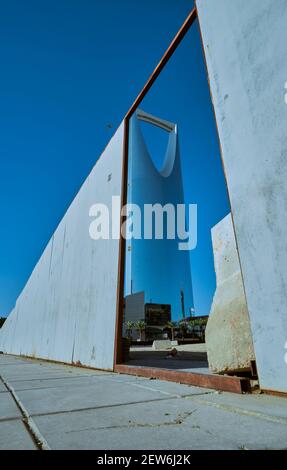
<point>67,310</point>
<point>245,45</point>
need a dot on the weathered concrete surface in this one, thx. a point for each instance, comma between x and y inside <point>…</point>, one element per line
<point>67,310</point>
<point>8,407</point>
<point>14,436</point>
<point>85,409</point>
<point>245,48</point>
<point>161,344</point>
<point>228,334</point>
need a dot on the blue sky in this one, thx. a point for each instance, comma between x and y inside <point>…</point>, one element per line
<point>181,94</point>
<point>69,69</point>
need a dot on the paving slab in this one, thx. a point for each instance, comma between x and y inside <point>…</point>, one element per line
<point>2,387</point>
<point>8,407</point>
<point>31,375</point>
<point>33,372</point>
<point>75,370</point>
<point>165,387</point>
<point>248,431</point>
<point>260,404</point>
<point>95,391</point>
<point>99,394</point>
<point>14,436</point>
<point>56,382</point>
<point>168,424</point>
<point>77,408</point>
<point>140,426</point>
<point>8,359</point>
<point>11,362</point>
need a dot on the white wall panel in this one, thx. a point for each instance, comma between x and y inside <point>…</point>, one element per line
<point>67,310</point>
<point>245,47</point>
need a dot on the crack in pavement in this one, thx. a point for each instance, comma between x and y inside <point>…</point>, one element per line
<point>176,422</point>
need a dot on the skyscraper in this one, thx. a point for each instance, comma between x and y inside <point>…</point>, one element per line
<point>156,266</point>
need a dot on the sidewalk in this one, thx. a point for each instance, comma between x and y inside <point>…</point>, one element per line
<point>75,408</point>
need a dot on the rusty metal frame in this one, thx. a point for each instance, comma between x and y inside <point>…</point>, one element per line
<point>223,383</point>
<point>219,382</point>
<point>274,393</point>
<point>122,245</point>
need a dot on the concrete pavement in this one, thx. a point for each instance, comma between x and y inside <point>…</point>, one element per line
<point>66,407</point>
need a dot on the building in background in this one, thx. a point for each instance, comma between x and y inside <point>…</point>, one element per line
<point>156,266</point>
<point>154,316</point>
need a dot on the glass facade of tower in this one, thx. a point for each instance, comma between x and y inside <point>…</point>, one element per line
<point>157,266</point>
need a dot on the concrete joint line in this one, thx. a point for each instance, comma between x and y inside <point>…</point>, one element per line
<point>70,377</point>
<point>163,392</point>
<point>145,387</point>
<point>240,411</point>
<point>103,407</point>
<point>39,440</point>
<point>13,418</point>
<point>153,389</point>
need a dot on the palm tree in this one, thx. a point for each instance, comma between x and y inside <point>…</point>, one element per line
<point>182,327</point>
<point>200,322</point>
<point>129,325</point>
<point>171,326</point>
<point>140,326</point>
<point>191,324</point>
